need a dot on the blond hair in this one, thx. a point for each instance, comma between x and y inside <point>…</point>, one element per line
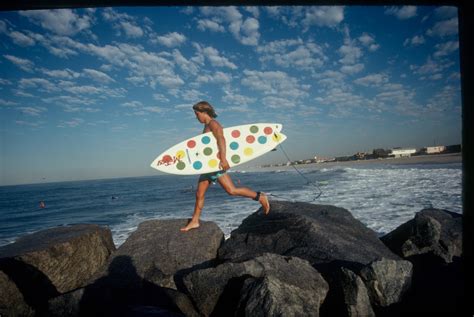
<point>204,106</point>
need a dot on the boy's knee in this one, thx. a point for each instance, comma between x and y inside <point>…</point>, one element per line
<point>231,191</point>
<point>200,195</point>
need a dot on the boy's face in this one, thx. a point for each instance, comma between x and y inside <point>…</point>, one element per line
<point>200,116</point>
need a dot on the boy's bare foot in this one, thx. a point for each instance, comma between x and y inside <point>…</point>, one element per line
<point>265,203</point>
<point>191,225</point>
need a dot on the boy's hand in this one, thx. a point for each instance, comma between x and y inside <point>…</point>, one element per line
<point>224,165</point>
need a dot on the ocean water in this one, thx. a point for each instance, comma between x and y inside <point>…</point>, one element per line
<point>382,196</point>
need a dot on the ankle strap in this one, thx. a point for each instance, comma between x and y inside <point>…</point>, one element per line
<point>257,198</point>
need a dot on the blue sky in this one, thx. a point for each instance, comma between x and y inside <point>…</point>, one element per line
<point>99,93</point>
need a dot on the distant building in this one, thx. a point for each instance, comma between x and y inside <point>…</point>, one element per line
<point>455,148</point>
<point>398,152</point>
<point>434,149</point>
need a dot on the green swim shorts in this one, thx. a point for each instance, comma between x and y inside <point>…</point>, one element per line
<point>212,177</point>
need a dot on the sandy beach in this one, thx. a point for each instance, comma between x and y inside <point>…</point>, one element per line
<point>420,159</point>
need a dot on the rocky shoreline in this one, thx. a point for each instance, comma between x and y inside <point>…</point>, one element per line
<point>300,260</point>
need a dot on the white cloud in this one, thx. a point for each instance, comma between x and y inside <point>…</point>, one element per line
<point>22,63</point>
<point>342,102</point>
<point>59,21</point>
<point>132,104</point>
<point>372,80</point>
<point>216,78</point>
<point>66,101</point>
<point>98,76</point>
<point>32,111</point>
<point>430,67</point>
<point>350,53</point>
<point>444,100</point>
<point>40,83</point>
<point>277,102</point>
<point>61,73</point>
<point>234,98</point>
<point>446,12</point>
<point>188,66</point>
<point>4,102</point>
<point>171,39</point>
<point>214,57</point>
<point>206,24</point>
<point>131,30</point>
<point>254,10</point>
<point>245,31</point>
<point>444,28</point>
<point>274,83</point>
<point>369,41</point>
<point>329,16</point>
<point>160,97</point>
<point>330,79</point>
<point>352,69</point>
<point>444,49</point>
<point>21,39</point>
<point>192,95</point>
<point>402,13</point>
<point>3,27</point>
<point>293,53</point>
<point>123,22</point>
<point>35,124</point>
<point>414,41</point>
<point>249,32</point>
<point>73,123</point>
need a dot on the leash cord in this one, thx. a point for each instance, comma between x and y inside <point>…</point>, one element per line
<point>309,182</point>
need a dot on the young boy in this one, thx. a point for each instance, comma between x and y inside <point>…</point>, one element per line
<point>205,114</point>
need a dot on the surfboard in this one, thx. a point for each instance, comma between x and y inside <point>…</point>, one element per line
<point>199,154</point>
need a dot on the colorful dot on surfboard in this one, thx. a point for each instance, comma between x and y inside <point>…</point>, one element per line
<point>234,145</point>
<point>250,139</point>
<point>180,165</point>
<point>248,151</point>
<point>212,163</point>
<point>180,154</point>
<point>235,133</point>
<point>197,165</point>
<point>167,159</point>
<point>205,139</point>
<point>235,158</point>
<point>191,144</point>
<point>254,129</point>
<point>262,139</point>
<point>268,130</point>
<point>276,137</point>
<point>207,151</point>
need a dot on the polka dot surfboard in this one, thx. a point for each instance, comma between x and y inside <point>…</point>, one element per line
<point>199,154</point>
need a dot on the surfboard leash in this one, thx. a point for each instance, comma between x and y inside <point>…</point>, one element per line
<point>308,181</point>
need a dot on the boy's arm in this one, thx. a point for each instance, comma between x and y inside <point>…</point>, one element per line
<point>218,133</point>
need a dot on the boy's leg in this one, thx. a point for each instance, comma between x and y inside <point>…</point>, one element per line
<point>226,182</point>
<point>202,187</point>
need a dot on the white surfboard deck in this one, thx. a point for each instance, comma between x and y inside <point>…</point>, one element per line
<point>198,155</point>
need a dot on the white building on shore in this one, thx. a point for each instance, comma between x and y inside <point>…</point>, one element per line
<point>434,149</point>
<point>397,152</point>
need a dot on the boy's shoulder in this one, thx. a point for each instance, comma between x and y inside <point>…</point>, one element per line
<point>214,124</point>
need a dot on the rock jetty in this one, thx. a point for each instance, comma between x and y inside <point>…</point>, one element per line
<point>300,260</point>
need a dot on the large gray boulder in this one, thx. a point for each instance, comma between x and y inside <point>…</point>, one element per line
<point>12,302</point>
<point>54,261</point>
<point>387,280</point>
<point>353,296</point>
<point>269,285</point>
<point>68,256</point>
<point>432,242</point>
<point>321,234</point>
<point>158,250</point>
<point>147,270</point>
<point>432,231</point>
